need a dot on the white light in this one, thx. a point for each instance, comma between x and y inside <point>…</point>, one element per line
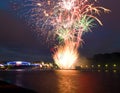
<point>99,65</point>
<point>114,71</point>
<point>68,4</point>
<point>1,65</point>
<point>18,63</point>
<point>106,65</point>
<point>114,65</point>
<point>39,4</point>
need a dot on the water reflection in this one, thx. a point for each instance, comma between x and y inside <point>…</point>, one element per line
<point>72,81</point>
<point>65,81</point>
<point>18,78</point>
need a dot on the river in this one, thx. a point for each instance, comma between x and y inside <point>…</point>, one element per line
<point>64,81</point>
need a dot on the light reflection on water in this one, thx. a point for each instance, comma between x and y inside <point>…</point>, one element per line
<point>70,82</point>
<point>65,81</point>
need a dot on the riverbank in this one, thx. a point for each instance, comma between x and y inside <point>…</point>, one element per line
<point>10,88</point>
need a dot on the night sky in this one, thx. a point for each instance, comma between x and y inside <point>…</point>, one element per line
<point>18,42</point>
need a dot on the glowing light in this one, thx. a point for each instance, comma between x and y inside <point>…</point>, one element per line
<point>71,19</point>
<point>106,65</point>
<point>106,70</point>
<point>37,15</point>
<point>99,65</point>
<point>49,2</point>
<point>39,4</point>
<point>65,56</point>
<point>18,62</point>
<point>65,20</point>
<point>114,65</point>
<point>114,71</point>
<point>67,4</point>
<point>81,66</point>
<point>92,66</point>
<point>86,66</point>
<point>1,65</point>
<point>99,70</point>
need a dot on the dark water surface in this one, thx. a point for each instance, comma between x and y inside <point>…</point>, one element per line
<point>64,81</point>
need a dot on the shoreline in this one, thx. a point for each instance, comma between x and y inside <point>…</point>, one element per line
<point>6,87</point>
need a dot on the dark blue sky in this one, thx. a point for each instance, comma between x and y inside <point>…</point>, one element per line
<point>16,41</point>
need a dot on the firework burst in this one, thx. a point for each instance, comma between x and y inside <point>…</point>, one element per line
<point>37,15</point>
<point>65,20</point>
<point>72,18</point>
<point>66,55</point>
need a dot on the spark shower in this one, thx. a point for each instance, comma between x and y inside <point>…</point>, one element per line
<point>64,20</point>
<point>72,19</point>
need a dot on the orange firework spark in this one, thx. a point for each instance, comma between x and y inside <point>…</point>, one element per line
<point>66,55</point>
<point>65,19</point>
<point>72,18</point>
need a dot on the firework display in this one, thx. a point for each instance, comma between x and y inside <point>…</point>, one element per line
<point>64,21</point>
<point>71,19</point>
<point>36,14</point>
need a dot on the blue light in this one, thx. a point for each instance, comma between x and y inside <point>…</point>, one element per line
<point>18,63</point>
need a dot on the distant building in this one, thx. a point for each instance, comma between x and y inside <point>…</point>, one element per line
<point>16,63</point>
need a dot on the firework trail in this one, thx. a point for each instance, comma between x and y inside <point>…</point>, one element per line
<point>71,19</point>
<point>37,15</point>
<point>64,21</point>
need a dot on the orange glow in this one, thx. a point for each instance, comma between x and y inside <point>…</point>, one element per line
<point>66,55</point>
<point>48,2</point>
<point>71,19</point>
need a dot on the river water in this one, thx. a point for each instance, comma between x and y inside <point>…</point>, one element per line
<point>64,81</point>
